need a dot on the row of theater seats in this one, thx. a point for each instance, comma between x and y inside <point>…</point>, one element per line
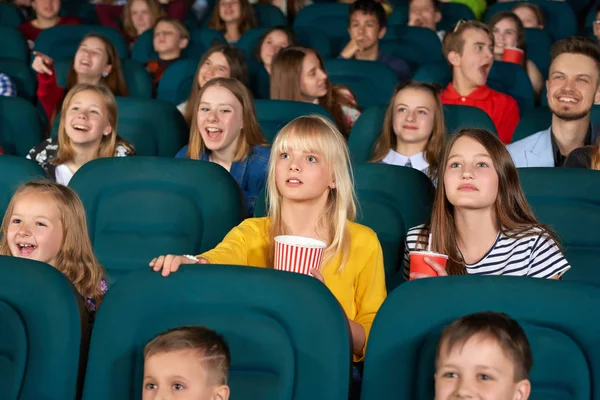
<point>138,207</point>
<point>287,334</point>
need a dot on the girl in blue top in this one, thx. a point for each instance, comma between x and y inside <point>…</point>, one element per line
<point>225,131</point>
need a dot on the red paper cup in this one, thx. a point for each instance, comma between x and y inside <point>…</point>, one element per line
<point>418,264</point>
<point>512,55</point>
<point>298,254</point>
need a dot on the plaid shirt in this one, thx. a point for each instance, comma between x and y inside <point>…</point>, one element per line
<point>7,86</point>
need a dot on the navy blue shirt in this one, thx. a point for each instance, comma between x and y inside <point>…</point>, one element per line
<point>250,174</point>
<point>397,64</point>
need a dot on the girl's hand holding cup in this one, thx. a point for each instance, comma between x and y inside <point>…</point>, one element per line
<point>433,262</point>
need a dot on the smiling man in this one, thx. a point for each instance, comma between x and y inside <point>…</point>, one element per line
<point>573,88</point>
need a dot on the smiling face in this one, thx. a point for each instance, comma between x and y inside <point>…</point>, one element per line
<point>91,59</point>
<point>413,118</point>
<point>46,9</point>
<point>230,11</point>
<point>313,80</point>
<point>273,43</point>
<point>505,35</point>
<point>364,30</point>
<point>572,86</point>
<point>215,66</point>
<point>470,178</point>
<point>86,119</point>
<point>140,16</point>
<point>35,228</point>
<point>478,369</point>
<point>474,64</point>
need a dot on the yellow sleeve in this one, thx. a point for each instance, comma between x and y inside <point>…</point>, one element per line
<point>236,245</point>
<point>370,288</point>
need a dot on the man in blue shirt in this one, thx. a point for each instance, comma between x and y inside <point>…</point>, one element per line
<point>366,25</point>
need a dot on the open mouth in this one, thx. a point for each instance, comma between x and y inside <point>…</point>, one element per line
<point>568,99</point>
<point>25,250</point>
<point>214,133</point>
<point>293,182</point>
<point>81,128</point>
<point>485,70</point>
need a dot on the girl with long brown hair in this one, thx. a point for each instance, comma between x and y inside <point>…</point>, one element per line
<point>232,18</point>
<point>414,131</point>
<point>298,74</point>
<point>96,62</point>
<point>587,157</point>
<point>225,131</point>
<point>481,219</point>
<point>140,16</point>
<point>87,130</point>
<point>46,222</point>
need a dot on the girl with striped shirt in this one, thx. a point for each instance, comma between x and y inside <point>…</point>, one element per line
<point>480,216</point>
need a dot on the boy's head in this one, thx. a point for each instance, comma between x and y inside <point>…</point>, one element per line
<point>469,49</point>
<point>366,23</point>
<point>191,362</point>
<point>170,38</point>
<point>573,83</point>
<point>424,13</point>
<point>484,356</point>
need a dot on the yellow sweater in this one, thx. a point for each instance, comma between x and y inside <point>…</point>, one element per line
<point>360,287</point>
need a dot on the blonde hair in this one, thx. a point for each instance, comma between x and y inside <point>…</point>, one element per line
<point>109,143</point>
<point>435,144</point>
<point>75,258</point>
<point>179,27</point>
<point>250,134</point>
<point>153,8</point>
<point>317,134</point>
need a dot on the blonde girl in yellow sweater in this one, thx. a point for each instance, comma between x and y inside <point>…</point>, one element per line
<point>310,193</point>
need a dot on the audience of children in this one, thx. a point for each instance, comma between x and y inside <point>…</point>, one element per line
<point>573,87</point>
<point>220,61</point>
<point>425,14</point>
<point>46,16</point>
<point>298,74</point>
<point>367,25</point>
<point>469,49</point>
<point>96,62</point>
<point>272,42</point>
<point>310,193</point>
<point>225,131</point>
<point>191,361</point>
<point>232,18</point>
<point>530,14</point>
<point>46,222</point>
<point>481,219</point>
<point>414,132</point>
<point>87,131</point>
<point>509,32</point>
<point>170,39</point>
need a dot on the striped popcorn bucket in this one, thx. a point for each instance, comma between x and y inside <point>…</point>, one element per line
<point>298,254</point>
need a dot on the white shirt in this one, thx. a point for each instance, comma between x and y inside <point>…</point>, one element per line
<point>63,174</point>
<point>417,161</point>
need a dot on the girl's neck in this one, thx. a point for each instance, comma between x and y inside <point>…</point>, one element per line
<point>232,31</point>
<point>224,157</point>
<point>82,155</point>
<point>301,218</point>
<point>88,79</point>
<point>476,232</point>
<point>45,23</point>
<point>410,149</point>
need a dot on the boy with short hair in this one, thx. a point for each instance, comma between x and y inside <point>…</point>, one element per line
<point>46,16</point>
<point>483,355</point>
<point>193,360</point>
<point>425,14</point>
<point>468,48</point>
<point>366,25</point>
<point>170,39</point>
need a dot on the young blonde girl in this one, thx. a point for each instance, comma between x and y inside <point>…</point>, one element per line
<point>87,131</point>
<point>232,18</point>
<point>96,62</point>
<point>481,219</point>
<point>298,74</point>
<point>46,222</point>
<point>414,131</point>
<point>310,193</point>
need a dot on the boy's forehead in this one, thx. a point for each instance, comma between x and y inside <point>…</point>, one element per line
<point>474,35</point>
<point>165,26</point>
<point>481,347</point>
<point>361,15</point>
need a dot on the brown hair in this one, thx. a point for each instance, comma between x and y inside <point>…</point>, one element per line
<point>75,258</point>
<point>499,327</point>
<point>539,14</point>
<point>250,134</point>
<point>179,27</point>
<point>513,216</point>
<point>521,41</point>
<point>247,18</point>
<point>577,45</point>
<point>291,37</point>
<point>454,40</point>
<point>435,144</point>
<point>212,349</point>
<point>154,9</point>
<point>237,67</point>
<point>286,74</point>
<point>109,143</point>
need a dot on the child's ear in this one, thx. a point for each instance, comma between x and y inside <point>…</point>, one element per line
<point>107,70</point>
<point>221,393</point>
<point>183,43</point>
<point>523,390</point>
<point>107,131</point>
<point>438,16</point>
<point>382,32</point>
<point>454,58</point>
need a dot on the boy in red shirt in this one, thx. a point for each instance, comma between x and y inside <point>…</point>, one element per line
<point>469,51</point>
<point>46,12</point>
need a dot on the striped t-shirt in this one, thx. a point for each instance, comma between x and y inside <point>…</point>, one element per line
<point>536,255</point>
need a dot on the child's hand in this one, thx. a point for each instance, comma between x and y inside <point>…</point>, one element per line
<point>350,50</point>
<point>170,263</point>
<point>441,271</point>
<point>42,63</point>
